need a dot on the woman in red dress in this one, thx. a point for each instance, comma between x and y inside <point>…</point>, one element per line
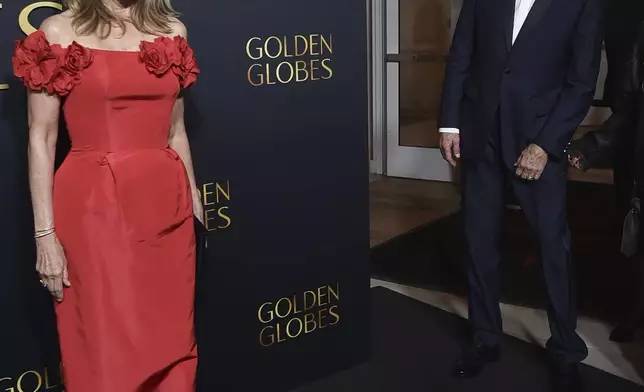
<point>114,226</point>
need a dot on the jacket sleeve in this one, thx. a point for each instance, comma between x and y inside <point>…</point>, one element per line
<point>596,148</point>
<point>458,66</point>
<point>580,81</point>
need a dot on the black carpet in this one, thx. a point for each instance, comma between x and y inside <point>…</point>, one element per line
<point>414,345</point>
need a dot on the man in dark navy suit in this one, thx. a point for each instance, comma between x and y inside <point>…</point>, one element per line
<point>520,79</point>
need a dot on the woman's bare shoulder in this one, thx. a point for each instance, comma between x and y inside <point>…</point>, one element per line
<point>58,29</point>
<point>178,28</point>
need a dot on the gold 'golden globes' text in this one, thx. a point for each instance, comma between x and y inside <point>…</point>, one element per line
<point>33,381</point>
<point>295,58</point>
<point>215,197</point>
<point>298,315</point>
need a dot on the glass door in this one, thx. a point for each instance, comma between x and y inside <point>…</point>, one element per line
<point>418,36</point>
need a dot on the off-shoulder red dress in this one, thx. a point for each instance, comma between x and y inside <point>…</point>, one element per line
<point>123,213</point>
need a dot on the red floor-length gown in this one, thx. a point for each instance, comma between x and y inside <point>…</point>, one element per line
<point>123,213</point>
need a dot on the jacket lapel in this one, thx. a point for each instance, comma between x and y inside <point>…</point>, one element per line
<point>538,10</point>
<point>508,22</point>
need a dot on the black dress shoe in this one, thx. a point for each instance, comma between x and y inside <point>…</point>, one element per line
<point>566,378</point>
<point>623,334</point>
<point>474,360</point>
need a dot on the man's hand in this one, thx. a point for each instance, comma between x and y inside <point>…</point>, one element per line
<point>531,163</point>
<point>450,144</point>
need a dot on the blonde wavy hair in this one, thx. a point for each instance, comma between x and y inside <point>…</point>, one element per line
<point>148,16</point>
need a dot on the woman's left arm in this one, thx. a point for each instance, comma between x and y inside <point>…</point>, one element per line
<point>178,141</point>
<point>178,138</point>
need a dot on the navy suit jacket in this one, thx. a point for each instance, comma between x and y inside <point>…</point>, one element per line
<point>536,91</point>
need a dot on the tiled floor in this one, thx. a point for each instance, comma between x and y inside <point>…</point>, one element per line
<point>398,206</point>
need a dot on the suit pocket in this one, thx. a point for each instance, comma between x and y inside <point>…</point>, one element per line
<point>543,105</point>
<point>541,108</point>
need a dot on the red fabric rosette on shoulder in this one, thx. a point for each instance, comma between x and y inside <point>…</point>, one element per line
<point>50,68</point>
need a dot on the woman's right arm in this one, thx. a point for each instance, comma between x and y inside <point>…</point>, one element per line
<point>43,117</point>
<point>43,112</point>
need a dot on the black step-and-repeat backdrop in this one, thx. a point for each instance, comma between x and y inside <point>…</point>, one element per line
<point>278,126</point>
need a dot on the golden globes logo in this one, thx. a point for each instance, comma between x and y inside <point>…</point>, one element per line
<point>289,59</point>
<point>32,381</point>
<point>215,197</point>
<point>23,18</point>
<point>26,26</point>
<point>299,315</point>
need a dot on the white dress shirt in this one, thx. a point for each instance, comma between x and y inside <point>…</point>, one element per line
<point>521,10</point>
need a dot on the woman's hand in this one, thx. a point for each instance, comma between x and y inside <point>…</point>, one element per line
<point>577,160</point>
<point>51,265</point>
<point>574,161</point>
<point>197,207</point>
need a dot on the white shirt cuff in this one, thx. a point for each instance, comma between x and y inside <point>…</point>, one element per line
<point>448,130</point>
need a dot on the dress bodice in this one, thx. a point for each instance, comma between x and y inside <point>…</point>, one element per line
<point>113,100</point>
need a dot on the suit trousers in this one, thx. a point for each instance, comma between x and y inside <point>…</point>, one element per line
<point>543,202</point>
